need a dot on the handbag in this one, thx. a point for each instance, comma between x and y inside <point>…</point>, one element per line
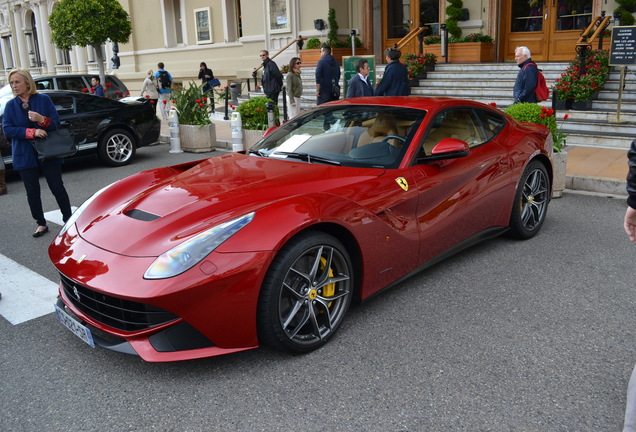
<point>214,82</point>
<point>58,144</point>
<point>335,90</point>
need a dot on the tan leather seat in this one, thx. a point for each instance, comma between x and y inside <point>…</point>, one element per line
<point>383,126</point>
<point>454,125</point>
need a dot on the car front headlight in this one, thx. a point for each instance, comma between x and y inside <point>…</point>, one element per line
<point>76,214</point>
<point>183,257</point>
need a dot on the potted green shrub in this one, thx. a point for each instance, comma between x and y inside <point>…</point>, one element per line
<point>254,119</point>
<point>416,67</point>
<point>579,89</point>
<point>196,131</point>
<point>534,113</point>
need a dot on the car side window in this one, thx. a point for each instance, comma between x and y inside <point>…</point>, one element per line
<point>93,103</point>
<point>460,123</point>
<point>45,84</point>
<point>63,104</point>
<point>492,123</point>
<point>71,83</point>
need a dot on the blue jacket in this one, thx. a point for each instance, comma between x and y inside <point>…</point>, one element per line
<point>15,123</point>
<point>526,82</point>
<point>99,90</point>
<point>395,81</point>
<point>358,87</point>
<point>327,69</point>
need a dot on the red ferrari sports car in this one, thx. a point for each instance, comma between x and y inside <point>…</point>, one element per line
<point>271,246</point>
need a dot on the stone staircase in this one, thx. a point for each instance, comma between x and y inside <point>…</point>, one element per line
<point>493,82</point>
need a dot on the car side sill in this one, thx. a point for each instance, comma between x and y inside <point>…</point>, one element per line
<point>471,241</point>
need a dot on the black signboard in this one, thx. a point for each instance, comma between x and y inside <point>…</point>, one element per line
<point>623,51</point>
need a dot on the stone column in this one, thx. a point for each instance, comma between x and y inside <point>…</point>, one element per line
<point>44,36</point>
<point>81,60</point>
<point>23,51</point>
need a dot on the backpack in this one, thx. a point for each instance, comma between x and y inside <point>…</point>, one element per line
<point>164,79</point>
<point>542,92</point>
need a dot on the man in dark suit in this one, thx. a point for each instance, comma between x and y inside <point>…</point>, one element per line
<point>359,84</point>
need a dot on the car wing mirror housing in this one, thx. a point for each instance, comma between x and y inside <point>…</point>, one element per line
<point>448,148</point>
<point>269,131</point>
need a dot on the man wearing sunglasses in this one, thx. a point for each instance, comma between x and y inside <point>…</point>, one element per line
<point>272,79</point>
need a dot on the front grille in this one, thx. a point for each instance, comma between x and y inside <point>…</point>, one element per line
<point>114,312</point>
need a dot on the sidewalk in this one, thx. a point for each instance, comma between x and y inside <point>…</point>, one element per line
<point>590,169</point>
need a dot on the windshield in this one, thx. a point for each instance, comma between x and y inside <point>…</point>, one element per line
<point>356,136</point>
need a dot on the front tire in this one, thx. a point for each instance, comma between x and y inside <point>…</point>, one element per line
<point>531,202</point>
<point>116,147</point>
<point>306,293</point>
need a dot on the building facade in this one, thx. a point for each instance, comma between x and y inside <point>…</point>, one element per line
<point>228,34</point>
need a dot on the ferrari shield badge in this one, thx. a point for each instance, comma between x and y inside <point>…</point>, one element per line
<point>403,183</point>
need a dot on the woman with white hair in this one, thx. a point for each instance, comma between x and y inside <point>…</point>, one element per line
<point>151,88</point>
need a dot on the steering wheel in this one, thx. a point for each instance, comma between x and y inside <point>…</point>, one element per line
<point>397,137</point>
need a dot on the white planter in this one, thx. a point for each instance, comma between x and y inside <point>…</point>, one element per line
<point>251,137</point>
<point>560,165</point>
<point>197,139</point>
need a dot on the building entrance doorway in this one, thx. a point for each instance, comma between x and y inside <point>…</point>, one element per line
<point>549,28</point>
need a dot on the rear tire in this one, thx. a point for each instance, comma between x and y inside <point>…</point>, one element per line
<point>531,202</point>
<point>306,293</point>
<point>117,147</point>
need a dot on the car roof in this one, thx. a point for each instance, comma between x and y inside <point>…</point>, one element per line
<point>417,102</point>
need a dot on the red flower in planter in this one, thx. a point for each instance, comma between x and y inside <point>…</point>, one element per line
<point>109,85</point>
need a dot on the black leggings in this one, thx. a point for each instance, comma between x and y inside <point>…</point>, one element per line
<point>53,175</point>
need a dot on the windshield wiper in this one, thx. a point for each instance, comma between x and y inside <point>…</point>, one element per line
<point>307,157</point>
<point>260,153</point>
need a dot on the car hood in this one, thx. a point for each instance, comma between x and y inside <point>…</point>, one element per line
<point>151,212</point>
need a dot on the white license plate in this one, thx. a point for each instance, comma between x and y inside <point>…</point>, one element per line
<point>78,329</point>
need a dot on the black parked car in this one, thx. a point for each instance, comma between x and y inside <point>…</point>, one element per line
<point>112,129</point>
<point>113,87</point>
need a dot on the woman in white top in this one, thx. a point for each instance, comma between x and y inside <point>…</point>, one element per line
<point>151,88</point>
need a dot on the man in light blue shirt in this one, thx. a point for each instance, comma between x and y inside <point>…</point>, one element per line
<point>164,82</point>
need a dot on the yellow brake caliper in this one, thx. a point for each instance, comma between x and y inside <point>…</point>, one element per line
<point>328,290</point>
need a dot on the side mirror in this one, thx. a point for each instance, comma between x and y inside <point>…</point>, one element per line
<point>269,131</point>
<point>448,148</point>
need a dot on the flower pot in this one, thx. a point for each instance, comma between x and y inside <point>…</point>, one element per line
<point>310,57</point>
<point>414,83</point>
<point>564,104</point>
<point>560,164</point>
<point>464,52</point>
<point>197,139</point>
<point>582,105</point>
<point>251,137</point>
<point>421,75</point>
<point>430,68</point>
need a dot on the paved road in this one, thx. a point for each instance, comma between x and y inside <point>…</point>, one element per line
<point>507,336</point>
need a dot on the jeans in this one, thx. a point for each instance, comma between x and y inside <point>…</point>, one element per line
<point>53,175</point>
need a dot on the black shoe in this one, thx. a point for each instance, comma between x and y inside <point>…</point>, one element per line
<point>41,233</point>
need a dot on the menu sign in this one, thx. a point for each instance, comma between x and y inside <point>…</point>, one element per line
<point>623,51</point>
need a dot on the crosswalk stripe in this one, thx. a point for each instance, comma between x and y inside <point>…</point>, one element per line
<point>25,294</point>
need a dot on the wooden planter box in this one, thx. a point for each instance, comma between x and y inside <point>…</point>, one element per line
<point>463,52</point>
<point>310,57</point>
